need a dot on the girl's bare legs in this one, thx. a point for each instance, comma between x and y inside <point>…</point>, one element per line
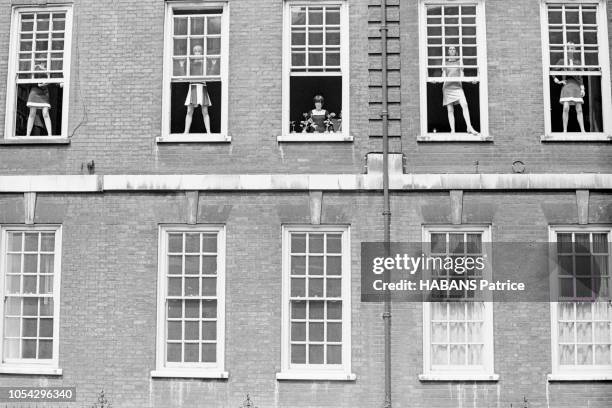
<point>206,118</point>
<point>466,116</point>
<point>47,118</point>
<point>579,116</point>
<point>451,116</point>
<point>566,115</point>
<point>188,118</point>
<point>31,118</point>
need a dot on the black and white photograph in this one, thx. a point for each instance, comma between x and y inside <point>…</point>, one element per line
<point>305,204</point>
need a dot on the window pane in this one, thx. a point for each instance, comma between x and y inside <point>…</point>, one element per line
<point>209,352</point>
<point>180,26</point>
<point>315,265</point>
<point>298,354</point>
<point>214,25</point>
<point>45,349</point>
<point>192,287</point>
<point>298,331</point>
<point>315,354</point>
<point>192,352</point>
<point>334,354</point>
<point>316,310</point>
<point>298,265</point>
<point>209,330</point>
<point>174,352</point>
<point>298,243</point>
<point>298,310</point>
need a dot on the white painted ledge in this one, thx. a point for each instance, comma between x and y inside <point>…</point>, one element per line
<point>304,182</point>
<point>576,137</point>
<point>319,375</point>
<point>458,377</point>
<point>454,137</point>
<point>202,373</point>
<point>580,377</point>
<point>30,370</point>
<point>315,137</point>
<point>35,140</point>
<point>194,138</point>
<point>51,184</point>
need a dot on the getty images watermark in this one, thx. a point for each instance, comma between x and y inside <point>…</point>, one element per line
<point>508,272</point>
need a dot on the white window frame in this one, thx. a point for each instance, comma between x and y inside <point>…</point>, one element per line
<point>574,372</point>
<point>604,60</point>
<point>166,136</point>
<point>460,373</point>
<point>31,366</point>
<point>344,135</point>
<point>190,370</point>
<point>11,85</point>
<point>481,47</point>
<point>316,371</point>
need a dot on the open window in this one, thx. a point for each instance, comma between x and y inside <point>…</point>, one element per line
<point>315,80</point>
<point>576,72</point>
<point>195,72</point>
<point>453,71</point>
<point>39,64</point>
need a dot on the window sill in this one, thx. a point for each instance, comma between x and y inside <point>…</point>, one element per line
<point>576,137</point>
<point>314,375</point>
<point>315,137</point>
<point>453,137</point>
<point>458,377</point>
<point>35,140</point>
<point>581,377</point>
<point>191,373</point>
<point>29,370</point>
<point>195,138</point>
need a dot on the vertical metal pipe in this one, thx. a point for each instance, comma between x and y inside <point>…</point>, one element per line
<point>387,204</point>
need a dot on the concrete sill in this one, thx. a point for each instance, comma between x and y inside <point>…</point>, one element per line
<point>30,370</point>
<point>202,373</point>
<point>315,137</point>
<point>576,137</point>
<point>315,376</point>
<point>195,138</point>
<point>580,377</point>
<point>453,137</point>
<point>458,377</point>
<point>34,140</point>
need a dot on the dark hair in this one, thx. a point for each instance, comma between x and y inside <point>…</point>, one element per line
<point>318,98</point>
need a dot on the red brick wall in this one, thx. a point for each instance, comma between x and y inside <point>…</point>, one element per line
<point>108,304</point>
<point>117,78</point>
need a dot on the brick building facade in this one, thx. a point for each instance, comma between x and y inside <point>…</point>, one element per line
<point>115,182</point>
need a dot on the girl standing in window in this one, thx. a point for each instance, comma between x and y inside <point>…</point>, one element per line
<point>38,98</point>
<point>197,93</point>
<point>452,91</point>
<point>573,88</point>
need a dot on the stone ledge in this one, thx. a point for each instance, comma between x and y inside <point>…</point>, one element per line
<point>304,182</point>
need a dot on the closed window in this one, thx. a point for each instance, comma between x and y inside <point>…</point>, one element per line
<point>191,302</point>
<point>582,315</point>
<point>30,277</point>
<point>458,329</point>
<point>316,303</point>
<point>39,66</point>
